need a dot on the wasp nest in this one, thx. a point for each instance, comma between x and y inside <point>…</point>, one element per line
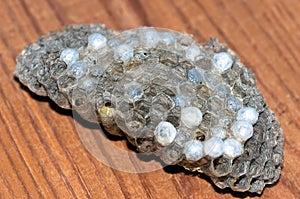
<point>196,105</point>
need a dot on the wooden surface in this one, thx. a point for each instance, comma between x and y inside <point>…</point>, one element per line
<point>41,155</point>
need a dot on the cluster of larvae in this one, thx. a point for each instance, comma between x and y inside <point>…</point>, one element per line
<point>192,104</point>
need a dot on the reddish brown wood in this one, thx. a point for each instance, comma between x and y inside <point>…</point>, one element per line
<point>41,155</point>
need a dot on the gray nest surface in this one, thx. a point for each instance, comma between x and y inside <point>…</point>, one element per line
<point>194,105</point>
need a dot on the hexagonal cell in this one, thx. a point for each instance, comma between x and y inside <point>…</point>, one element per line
<point>240,90</point>
<point>148,37</point>
<point>161,78</point>
<point>89,85</point>
<point>215,104</point>
<point>124,52</point>
<point>181,101</point>
<point>242,183</point>
<point>233,148</point>
<point>169,90</point>
<point>193,52</point>
<point>195,76</point>
<point>52,89</point>
<point>200,103</point>
<point>77,70</point>
<point>43,75</point>
<point>240,167</point>
<point>167,38</point>
<point>223,182</point>
<point>231,77</point>
<point>185,39</point>
<point>193,150</point>
<point>143,106</point>
<point>256,167</point>
<point>222,91</point>
<point>225,118</point>
<point>153,120</point>
<point>213,147</point>
<point>220,166</point>
<point>162,103</point>
<point>134,122</point>
<point>65,82</point>
<point>124,105</point>
<point>35,86</point>
<point>133,90</point>
<point>173,117</point>
<point>184,135</point>
<point>62,101</point>
<point>169,59</point>
<point>233,104</point>
<point>177,76</point>
<point>211,80</point>
<point>115,71</point>
<point>165,133</point>
<point>248,114</point>
<point>242,130</point>
<point>204,62</point>
<point>191,116</point>
<point>269,170</point>
<point>145,141</point>
<point>208,120</point>
<point>247,77</point>
<point>257,185</point>
<point>69,56</point>
<point>222,61</point>
<point>255,101</point>
<point>57,68</point>
<point>172,154</point>
<point>203,91</point>
<point>150,91</point>
<point>251,149</point>
<point>97,41</point>
<point>78,97</point>
<point>187,89</point>
<point>218,131</point>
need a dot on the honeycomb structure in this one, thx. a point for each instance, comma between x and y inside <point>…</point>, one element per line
<point>192,104</point>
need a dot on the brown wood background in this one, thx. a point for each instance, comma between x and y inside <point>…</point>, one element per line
<point>41,155</point>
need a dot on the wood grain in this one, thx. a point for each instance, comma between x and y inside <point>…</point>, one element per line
<point>41,155</point>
